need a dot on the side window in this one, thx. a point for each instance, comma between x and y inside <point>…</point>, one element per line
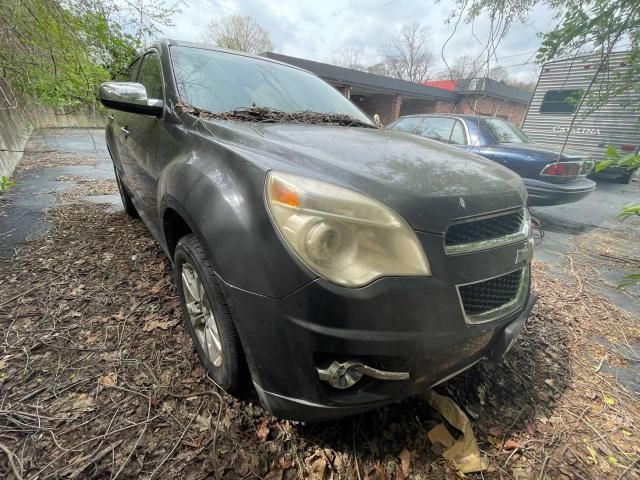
<point>560,101</point>
<point>448,130</point>
<point>150,76</point>
<point>407,124</point>
<point>132,71</point>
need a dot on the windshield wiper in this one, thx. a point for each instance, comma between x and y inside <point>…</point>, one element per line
<point>272,115</point>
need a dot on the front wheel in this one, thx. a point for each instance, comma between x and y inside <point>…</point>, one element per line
<point>207,315</point>
<point>626,177</point>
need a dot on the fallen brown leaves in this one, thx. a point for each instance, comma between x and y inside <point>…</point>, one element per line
<point>99,379</point>
<point>39,154</point>
<point>269,115</point>
<point>546,410</point>
<point>85,187</point>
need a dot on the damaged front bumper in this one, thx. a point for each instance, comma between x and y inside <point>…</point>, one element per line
<point>309,410</point>
<point>378,344</point>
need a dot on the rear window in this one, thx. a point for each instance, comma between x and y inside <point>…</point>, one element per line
<point>504,132</point>
<point>560,101</point>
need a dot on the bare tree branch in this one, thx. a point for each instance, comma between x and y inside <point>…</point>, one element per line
<point>350,58</point>
<point>238,32</point>
<point>409,57</point>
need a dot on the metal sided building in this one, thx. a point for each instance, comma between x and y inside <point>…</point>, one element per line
<point>561,84</point>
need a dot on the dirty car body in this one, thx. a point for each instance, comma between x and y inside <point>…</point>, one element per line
<point>356,265</point>
<point>551,178</point>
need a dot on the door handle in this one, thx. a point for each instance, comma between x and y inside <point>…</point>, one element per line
<point>125,131</point>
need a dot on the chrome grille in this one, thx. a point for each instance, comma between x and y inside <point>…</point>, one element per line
<point>481,297</point>
<point>484,229</point>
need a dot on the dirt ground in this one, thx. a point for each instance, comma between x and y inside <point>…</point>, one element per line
<point>98,379</point>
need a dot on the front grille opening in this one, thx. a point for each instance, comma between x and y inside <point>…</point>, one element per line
<point>484,229</point>
<point>478,298</point>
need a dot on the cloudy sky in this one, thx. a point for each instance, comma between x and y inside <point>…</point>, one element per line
<point>320,29</point>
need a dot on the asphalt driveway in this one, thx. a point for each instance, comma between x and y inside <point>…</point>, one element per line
<point>587,240</point>
<point>75,153</point>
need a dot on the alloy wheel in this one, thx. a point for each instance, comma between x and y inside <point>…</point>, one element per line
<point>201,314</point>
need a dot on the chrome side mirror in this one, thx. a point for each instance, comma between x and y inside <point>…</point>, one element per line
<point>129,97</point>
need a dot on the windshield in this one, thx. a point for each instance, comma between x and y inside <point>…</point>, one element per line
<point>504,132</point>
<point>223,82</point>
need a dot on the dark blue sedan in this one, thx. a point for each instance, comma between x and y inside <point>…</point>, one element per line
<point>549,180</point>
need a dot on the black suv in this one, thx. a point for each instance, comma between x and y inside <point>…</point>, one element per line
<point>345,265</point>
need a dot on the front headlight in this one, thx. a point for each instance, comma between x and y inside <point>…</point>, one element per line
<point>343,236</point>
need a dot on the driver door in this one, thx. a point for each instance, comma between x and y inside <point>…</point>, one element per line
<point>142,132</point>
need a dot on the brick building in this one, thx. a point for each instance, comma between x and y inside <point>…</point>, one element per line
<point>485,96</point>
<point>391,97</point>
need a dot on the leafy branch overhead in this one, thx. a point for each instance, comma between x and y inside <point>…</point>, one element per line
<point>588,26</point>
<point>56,53</point>
<point>629,161</point>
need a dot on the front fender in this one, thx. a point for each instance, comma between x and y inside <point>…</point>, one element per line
<point>220,195</point>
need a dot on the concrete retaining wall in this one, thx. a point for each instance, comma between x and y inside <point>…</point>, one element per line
<point>16,125</point>
<point>14,132</point>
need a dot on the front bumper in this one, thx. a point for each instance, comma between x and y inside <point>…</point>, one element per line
<point>434,373</point>
<point>543,193</point>
<point>397,324</point>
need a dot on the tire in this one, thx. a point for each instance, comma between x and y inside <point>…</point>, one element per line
<point>125,197</point>
<point>626,177</point>
<point>229,373</point>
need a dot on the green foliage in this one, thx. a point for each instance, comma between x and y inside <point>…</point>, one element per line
<point>57,52</point>
<point>629,211</point>
<point>584,26</point>
<point>5,184</point>
<point>631,160</point>
<point>600,26</point>
<point>613,157</point>
<point>43,57</point>
<point>631,279</point>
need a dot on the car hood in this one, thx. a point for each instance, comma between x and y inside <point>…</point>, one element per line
<point>427,182</point>
<point>542,150</point>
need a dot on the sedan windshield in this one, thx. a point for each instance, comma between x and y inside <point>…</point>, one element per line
<point>219,82</point>
<point>504,132</point>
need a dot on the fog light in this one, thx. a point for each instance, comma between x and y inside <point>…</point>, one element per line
<point>340,375</point>
<point>347,374</point>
